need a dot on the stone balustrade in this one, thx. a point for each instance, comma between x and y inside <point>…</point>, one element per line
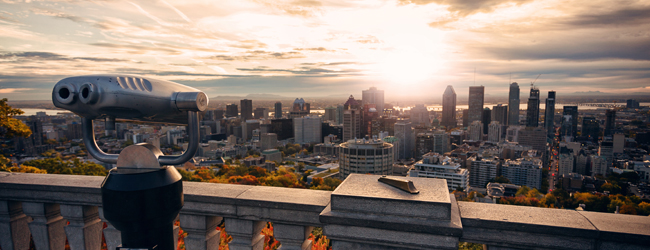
<point>361,214</point>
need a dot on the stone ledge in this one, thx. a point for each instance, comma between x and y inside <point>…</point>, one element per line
<point>621,227</point>
<point>526,219</point>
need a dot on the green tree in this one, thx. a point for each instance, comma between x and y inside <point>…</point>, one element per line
<point>10,126</point>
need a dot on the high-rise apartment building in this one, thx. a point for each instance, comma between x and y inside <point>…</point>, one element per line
<point>500,114</point>
<point>534,137</point>
<point>307,129</point>
<point>532,113</point>
<point>606,150</point>
<point>441,142</point>
<point>246,109</point>
<point>449,107</point>
<point>513,104</point>
<point>261,113</point>
<point>599,165</point>
<point>482,170</point>
<point>549,115</point>
<point>362,156</point>
<point>231,110</point>
<point>339,114</point>
<point>476,95</point>
<point>404,133</point>
<point>434,165</point>
<point>278,110</point>
<point>566,161</point>
<point>373,96</point>
<point>610,122</point>
<point>524,171</point>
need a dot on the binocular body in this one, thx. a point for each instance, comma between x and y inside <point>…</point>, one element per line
<point>128,97</point>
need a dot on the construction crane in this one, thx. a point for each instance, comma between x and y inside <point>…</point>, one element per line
<point>533,82</point>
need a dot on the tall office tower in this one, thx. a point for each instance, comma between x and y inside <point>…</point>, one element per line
<point>261,113</point>
<point>246,112</point>
<point>532,113</point>
<point>278,110</point>
<point>573,112</point>
<point>482,170</point>
<point>441,142</point>
<point>582,161</point>
<point>352,119</point>
<point>500,114</point>
<point>632,104</point>
<point>339,114</point>
<point>404,133</point>
<point>494,131</point>
<point>283,128</point>
<point>610,122</point>
<point>618,140</point>
<point>449,107</point>
<point>566,128</point>
<point>465,117</point>
<point>486,119</point>
<point>423,144</point>
<point>247,129</point>
<point>476,94</point>
<point>549,116</point>
<point>330,114</point>
<point>590,128</point>
<point>307,129</point>
<point>231,110</point>
<point>476,131</point>
<point>420,116</point>
<point>513,104</point>
<point>366,157</point>
<point>373,96</point>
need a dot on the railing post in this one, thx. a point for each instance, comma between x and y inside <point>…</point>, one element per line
<point>201,231</point>
<point>47,227</point>
<point>246,234</point>
<point>14,232</point>
<point>292,237</point>
<point>85,229</point>
<point>111,234</point>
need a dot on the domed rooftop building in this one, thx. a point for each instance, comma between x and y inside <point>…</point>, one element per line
<point>300,108</point>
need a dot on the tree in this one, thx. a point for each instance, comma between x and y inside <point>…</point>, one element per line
<point>500,179</point>
<point>10,126</point>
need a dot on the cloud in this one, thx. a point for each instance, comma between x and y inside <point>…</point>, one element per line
<point>61,15</point>
<point>137,49</point>
<point>258,55</point>
<point>467,7</point>
<point>49,56</point>
<point>306,71</point>
<point>13,90</point>
<point>629,15</point>
<point>319,49</point>
<point>304,8</point>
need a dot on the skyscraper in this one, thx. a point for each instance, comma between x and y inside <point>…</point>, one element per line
<point>231,110</point>
<point>373,96</point>
<point>590,129</point>
<point>404,133</point>
<point>278,110</point>
<point>610,122</point>
<point>246,109</point>
<point>513,104</point>
<point>351,119</point>
<point>420,116</point>
<point>486,118</point>
<point>449,107</point>
<point>476,94</point>
<point>532,113</point>
<point>500,114</point>
<point>549,116</point>
<point>571,111</point>
<point>307,129</point>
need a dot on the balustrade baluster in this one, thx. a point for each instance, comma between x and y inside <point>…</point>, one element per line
<point>246,234</point>
<point>292,237</point>
<point>201,231</point>
<point>14,231</point>
<point>47,225</point>
<point>111,234</point>
<point>85,229</point>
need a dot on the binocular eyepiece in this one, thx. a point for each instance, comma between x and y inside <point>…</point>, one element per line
<point>128,97</point>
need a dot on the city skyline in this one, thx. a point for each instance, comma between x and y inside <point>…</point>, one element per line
<point>321,48</point>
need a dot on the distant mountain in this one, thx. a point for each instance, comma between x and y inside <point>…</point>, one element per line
<point>590,93</point>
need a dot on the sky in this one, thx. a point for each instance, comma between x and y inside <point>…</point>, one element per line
<point>321,48</point>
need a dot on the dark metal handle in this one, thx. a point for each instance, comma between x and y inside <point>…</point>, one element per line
<point>405,185</point>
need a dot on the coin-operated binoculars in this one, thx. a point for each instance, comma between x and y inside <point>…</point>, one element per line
<point>142,195</point>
